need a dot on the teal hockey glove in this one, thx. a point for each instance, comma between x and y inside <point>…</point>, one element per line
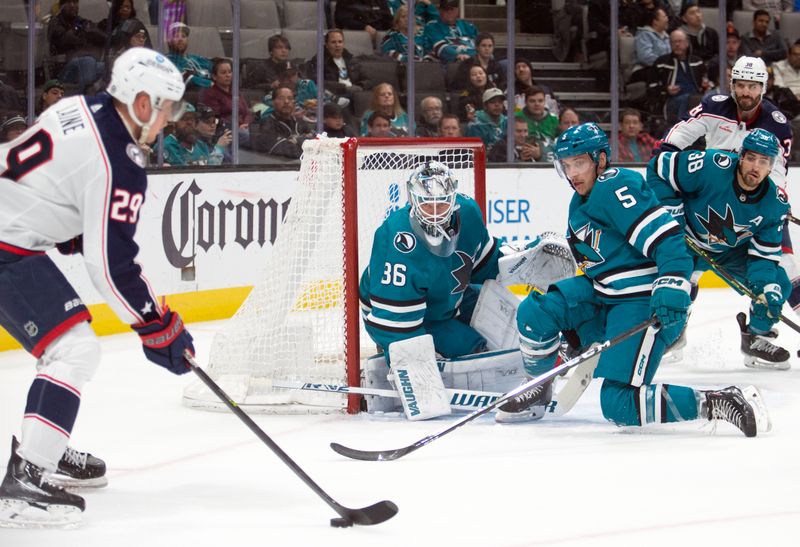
<point>670,300</point>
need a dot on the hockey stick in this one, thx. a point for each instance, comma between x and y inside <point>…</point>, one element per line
<point>374,514</point>
<point>793,219</point>
<point>397,453</point>
<point>732,281</point>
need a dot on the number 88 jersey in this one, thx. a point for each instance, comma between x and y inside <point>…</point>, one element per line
<point>77,172</point>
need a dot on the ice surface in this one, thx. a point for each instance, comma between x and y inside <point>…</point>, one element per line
<point>181,477</point>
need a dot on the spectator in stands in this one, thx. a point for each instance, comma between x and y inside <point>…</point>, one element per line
<point>643,11</point>
<point>9,101</point>
<point>265,74</point>
<point>490,122</point>
<point>567,118</point>
<point>379,125</point>
<point>218,97</point>
<point>341,72</point>
<point>542,125</point>
<point>449,126</point>
<point>679,79</point>
<point>450,39</point>
<point>13,126</point>
<point>470,100</point>
<point>525,149</point>
<point>174,11</point>
<point>773,7</point>
<point>280,133</point>
<point>431,111</point>
<point>196,69</point>
<point>52,92</point>
<point>484,58</point>
<point>131,33</point>
<point>386,101</point>
<point>368,15</point>
<point>424,10</point>
<point>787,72</point>
<point>635,144</point>
<point>732,47</point>
<point>395,43</point>
<point>784,98</point>
<point>333,122</point>
<point>183,146</point>
<point>523,73</point>
<point>216,137</point>
<point>652,40</point>
<point>762,42</point>
<point>121,11</point>
<point>704,39</point>
<point>80,41</point>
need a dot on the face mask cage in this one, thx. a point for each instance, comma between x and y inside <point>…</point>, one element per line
<point>432,198</point>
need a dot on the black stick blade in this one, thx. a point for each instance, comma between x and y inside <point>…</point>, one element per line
<point>372,455</point>
<point>374,514</point>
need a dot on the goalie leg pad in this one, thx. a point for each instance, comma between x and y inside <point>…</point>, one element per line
<point>499,371</point>
<point>417,378</point>
<point>376,375</point>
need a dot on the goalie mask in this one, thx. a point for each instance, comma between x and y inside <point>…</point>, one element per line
<point>432,195</point>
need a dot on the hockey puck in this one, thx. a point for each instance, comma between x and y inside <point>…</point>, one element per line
<point>341,522</point>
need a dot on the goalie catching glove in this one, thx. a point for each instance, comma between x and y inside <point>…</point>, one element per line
<point>670,300</point>
<point>164,341</point>
<point>540,263</point>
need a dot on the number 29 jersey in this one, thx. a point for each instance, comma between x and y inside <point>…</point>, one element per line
<point>78,172</point>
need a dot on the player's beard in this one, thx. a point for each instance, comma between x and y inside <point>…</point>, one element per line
<point>746,104</point>
<point>750,177</point>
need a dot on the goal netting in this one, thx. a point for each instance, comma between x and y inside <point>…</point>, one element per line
<point>301,322</point>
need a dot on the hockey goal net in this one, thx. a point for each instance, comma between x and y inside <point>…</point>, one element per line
<point>302,320</point>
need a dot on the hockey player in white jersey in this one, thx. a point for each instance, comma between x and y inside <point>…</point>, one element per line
<point>76,180</point>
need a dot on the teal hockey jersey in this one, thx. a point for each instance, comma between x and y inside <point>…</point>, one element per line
<point>700,188</point>
<point>623,239</point>
<point>406,286</point>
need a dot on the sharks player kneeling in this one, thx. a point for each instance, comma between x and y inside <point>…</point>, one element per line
<point>636,266</point>
<point>420,294</point>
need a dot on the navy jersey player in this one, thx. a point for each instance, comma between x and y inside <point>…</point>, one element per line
<point>734,211</point>
<point>77,176</point>
<point>636,265</point>
<point>425,257</point>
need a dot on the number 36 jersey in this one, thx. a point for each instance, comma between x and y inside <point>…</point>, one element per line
<point>78,173</point>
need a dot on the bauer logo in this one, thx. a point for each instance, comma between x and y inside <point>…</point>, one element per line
<point>405,242</point>
<point>191,224</point>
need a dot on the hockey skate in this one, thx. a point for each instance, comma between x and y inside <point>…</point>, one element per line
<point>759,351</point>
<point>527,406</point>
<point>76,469</point>
<point>743,408</point>
<point>28,499</point>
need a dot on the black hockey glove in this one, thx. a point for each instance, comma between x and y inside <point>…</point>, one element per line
<point>164,341</point>
<point>71,247</point>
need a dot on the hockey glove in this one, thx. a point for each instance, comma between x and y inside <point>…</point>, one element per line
<point>768,302</point>
<point>670,300</point>
<point>71,247</point>
<point>164,341</point>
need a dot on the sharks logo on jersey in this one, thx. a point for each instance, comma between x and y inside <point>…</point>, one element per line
<point>723,230</point>
<point>723,160</point>
<point>585,245</point>
<point>463,273</point>
<point>405,242</point>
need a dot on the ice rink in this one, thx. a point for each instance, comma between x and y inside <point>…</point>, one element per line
<point>181,477</point>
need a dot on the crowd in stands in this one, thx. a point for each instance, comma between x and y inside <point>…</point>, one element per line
<point>675,56</point>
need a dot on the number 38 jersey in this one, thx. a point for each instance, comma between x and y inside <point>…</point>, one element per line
<point>623,239</point>
<point>78,172</point>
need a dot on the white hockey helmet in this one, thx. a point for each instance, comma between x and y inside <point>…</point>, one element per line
<point>142,70</point>
<point>751,69</point>
<point>432,194</point>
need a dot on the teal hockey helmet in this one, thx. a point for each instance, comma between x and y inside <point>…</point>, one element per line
<point>762,142</point>
<point>586,138</point>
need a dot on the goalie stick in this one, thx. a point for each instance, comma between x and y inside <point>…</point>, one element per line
<point>374,514</point>
<point>397,453</point>
<point>732,281</point>
<point>462,399</point>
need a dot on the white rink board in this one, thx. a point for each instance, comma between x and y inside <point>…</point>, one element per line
<point>209,227</point>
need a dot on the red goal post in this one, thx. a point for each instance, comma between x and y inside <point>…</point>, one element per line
<point>302,321</point>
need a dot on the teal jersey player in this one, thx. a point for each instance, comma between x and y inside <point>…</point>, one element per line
<point>636,266</point>
<point>732,210</point>
<point>426,259</point>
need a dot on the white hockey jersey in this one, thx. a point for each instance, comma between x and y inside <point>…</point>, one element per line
<point>716,119</point>
<point>77,173</point>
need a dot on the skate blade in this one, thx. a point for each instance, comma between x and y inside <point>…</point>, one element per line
<point>72,483</point>
<point>756,363</point>
<point>755,400</point>
<point>530,415</point>
<point>21,514</point>
<point>672,357</point>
